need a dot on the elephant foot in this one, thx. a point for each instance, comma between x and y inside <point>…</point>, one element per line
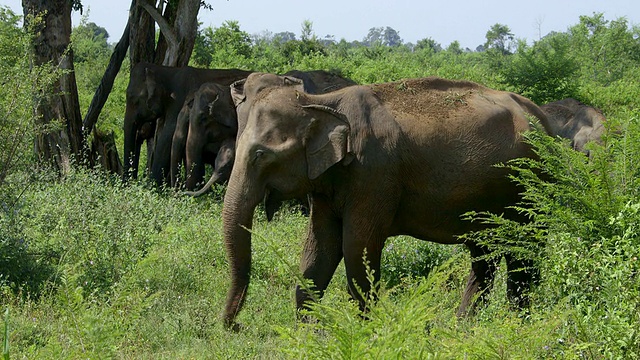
<point>234,327</point>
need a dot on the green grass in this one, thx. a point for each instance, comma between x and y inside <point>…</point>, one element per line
<point>136,274</point>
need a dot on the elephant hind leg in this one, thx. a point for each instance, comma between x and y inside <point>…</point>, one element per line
<point>479,282</point>
<point>521,274</point>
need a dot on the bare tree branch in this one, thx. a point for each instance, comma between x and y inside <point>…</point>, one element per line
<point>164,26</point>
<point>106,84</point>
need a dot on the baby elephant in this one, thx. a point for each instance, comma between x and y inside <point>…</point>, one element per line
<point>205,134</point>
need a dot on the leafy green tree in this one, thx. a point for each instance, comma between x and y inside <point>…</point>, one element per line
<point>89,41</point>
<point>308,45</point>
<point>429,44</point>
<point>306,32</point>
<point>385,36</point>
<point>454,48</point>
<point>500,38</point>
<point>225,45</point>
<point>17,123</point>
<point>201,55</point>
<point>607,49</point>
<point>283,37</point>
<point>20,84</point>
<point>374,36</point>
<point>391,37</point>
<point>544,72</point>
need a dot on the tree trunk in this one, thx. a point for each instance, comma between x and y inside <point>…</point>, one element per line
<point>56,144</point>
<point>143,34</point>
<point>185,28</point>
<point>104,152</point>
<point>178,28</point>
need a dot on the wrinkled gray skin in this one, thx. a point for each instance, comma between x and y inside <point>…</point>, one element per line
<point>155,96</point>
<point>205,135</point>
<point>244,92</point>
<point>377,161</point>
<point>573,120</point>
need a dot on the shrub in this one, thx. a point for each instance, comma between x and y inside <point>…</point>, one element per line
<point>585,219</point>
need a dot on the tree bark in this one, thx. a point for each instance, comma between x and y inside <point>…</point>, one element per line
<point>178,29</point>
<point>185,30</point>
<point>104,152</point>
<point>56,144</point>
<point>143,34</point>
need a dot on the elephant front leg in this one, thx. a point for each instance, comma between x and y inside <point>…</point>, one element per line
<point>363,255</point>
<point>366,229</point>
<point>321,254</point>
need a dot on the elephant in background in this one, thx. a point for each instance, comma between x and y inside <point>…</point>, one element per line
<point>205,134</point>
<point>381,160</point>
<point>224,113</point>
<point>148,95</point>
<point>573,120</point>
<point>155,96</point>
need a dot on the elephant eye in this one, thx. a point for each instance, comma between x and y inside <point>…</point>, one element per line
<point>259,154</point>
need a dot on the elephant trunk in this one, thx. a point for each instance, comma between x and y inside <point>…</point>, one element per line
<point>195,166</point>
<point>240,202</point>
<point>161,160</point>
<point>178,152</point>
<point>222,167</point>
<point>131,149</point>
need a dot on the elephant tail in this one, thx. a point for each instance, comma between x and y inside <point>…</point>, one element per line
<point>530,107</point>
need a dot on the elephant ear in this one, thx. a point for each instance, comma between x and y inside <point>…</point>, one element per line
<point>237,91</point>
<point>301,81</point>
<point>223,113</point>
<point>327,140</point>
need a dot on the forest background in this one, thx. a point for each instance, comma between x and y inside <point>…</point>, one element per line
<point>90,268</point>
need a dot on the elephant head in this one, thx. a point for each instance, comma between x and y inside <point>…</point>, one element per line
<point>148,94</point>
<point>212,131</point>
<point>244,92</point>
<point>573,120</point>
<point>283,149</point>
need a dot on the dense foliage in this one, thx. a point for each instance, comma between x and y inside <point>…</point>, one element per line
<point>90,268</point>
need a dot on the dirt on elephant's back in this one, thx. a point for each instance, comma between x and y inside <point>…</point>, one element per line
<point>430,97</point>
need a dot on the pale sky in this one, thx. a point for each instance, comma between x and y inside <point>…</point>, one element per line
<point>445,21</point>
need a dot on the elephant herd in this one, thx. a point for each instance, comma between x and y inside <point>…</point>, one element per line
<point>373,161</point>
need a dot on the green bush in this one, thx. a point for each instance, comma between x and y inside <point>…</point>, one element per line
<point>585,221</point>
<point>406,257</point>
<point>544,72</point>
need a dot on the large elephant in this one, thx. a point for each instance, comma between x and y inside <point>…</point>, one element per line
<point>206,135</point>
<point>573,120</point>
<point>155,96</point>
<point>407,157</point>
<point>212,131</point>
